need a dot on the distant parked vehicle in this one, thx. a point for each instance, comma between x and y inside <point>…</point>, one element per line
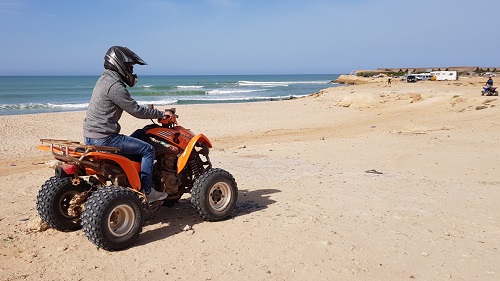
<point>411,78</point>
<point>444,75</point>
<point>422,76</point>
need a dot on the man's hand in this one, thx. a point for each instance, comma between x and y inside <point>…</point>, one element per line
<point>168,118</point>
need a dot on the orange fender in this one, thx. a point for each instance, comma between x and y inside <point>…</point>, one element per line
<point>131,168</point>
<point>181,163</point>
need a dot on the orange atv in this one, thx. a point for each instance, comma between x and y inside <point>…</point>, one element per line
<point>97,189</point>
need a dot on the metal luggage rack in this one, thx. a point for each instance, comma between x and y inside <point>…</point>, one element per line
<point>62,149</point>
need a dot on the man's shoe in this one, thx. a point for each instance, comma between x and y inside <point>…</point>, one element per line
<point>154,196</point>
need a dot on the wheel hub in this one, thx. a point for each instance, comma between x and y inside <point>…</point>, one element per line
<point>65,204</point>
<point>121,220</point>
<point>220,196</point>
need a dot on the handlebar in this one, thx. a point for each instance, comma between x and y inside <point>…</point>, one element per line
<point>169,118</point>
<point>172,110</point>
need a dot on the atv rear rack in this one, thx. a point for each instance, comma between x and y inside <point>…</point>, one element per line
<point>73,151</point>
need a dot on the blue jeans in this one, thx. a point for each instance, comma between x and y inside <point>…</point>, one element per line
<point>131,145</point>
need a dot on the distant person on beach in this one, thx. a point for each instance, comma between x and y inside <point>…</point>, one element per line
<point>489,83</point>
<point>389,81</point>
<point>109,99</point>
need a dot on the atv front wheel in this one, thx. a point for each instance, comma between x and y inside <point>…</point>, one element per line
<point>214,194</point>
<point>113,217</point>
<point>53,202</point>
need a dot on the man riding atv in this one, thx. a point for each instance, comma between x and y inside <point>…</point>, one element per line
<point>102,188</point>
<point>110,98</point>
<point>489,83</point>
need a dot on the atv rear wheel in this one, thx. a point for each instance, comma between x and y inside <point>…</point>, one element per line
<point>214,194</point>
<point>113,217</point>
<point>53,201</point>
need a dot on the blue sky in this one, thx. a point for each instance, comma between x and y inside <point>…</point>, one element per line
<point>247,37</point>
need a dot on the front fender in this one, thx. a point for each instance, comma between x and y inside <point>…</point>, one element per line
<point>183,159</point>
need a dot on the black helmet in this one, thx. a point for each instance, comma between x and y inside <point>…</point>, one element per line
<point>122,60</point>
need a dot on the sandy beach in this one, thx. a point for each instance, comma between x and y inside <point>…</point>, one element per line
<point>310,206</point>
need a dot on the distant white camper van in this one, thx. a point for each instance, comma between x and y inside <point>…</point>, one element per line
<point>445,75</point>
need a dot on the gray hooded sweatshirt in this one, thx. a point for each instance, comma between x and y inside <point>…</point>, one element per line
<point>109,99</point>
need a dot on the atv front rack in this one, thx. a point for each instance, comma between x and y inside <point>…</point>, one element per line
<point>73,151</point>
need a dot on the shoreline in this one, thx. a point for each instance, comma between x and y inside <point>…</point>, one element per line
<point>308,206</point>
<point>60,94</point>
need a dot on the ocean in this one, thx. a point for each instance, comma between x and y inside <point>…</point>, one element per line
<point>41,94</point>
